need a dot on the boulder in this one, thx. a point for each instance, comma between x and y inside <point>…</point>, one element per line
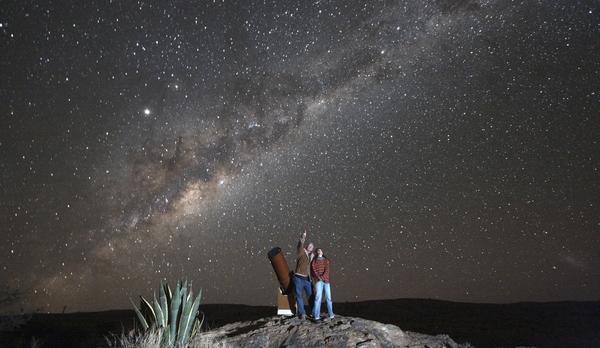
<point>338,332</point>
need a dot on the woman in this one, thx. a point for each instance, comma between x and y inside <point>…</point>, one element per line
<point>320,273</point>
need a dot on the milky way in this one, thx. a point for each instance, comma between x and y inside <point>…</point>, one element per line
<point>437,149</point>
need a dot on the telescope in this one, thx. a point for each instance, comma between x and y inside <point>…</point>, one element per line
<point>286,303</point>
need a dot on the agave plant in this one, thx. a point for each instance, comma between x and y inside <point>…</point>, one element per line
<point>174,314</point>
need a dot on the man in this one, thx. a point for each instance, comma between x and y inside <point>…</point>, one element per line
<point>301,276</point>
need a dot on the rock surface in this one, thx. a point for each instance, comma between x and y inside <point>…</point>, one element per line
<point>339,332</point>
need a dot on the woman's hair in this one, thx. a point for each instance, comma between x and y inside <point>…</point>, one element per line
<point>317,252</point>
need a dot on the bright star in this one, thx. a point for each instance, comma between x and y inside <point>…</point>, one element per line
<point>146,111</point>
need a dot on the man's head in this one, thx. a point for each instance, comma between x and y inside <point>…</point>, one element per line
<point>310,247</point>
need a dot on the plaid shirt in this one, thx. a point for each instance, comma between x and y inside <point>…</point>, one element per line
<point>320,269</point>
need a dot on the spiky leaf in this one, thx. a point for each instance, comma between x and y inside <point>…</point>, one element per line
<point>146,309</point>
<point>162,297</point>
<point>187,322</point>
<point>159,313</point>
<point>140,316</point>
<point>175,304</point>
<point>185,305</point>
<point>197,324</point>
<point>183,321</point>
<point>169,293</point>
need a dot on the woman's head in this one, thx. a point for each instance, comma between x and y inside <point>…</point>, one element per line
<point>319,252</point>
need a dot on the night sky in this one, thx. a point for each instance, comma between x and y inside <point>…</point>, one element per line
<point>434,149</point>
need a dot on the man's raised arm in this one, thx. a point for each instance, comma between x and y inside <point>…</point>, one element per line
<point>300,247</point>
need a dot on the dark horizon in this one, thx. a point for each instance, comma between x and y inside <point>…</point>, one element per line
<point>273,306</point>
<point>336,303</point>
<point>438,149</point>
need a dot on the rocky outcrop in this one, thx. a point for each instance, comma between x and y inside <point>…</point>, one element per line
<point>339,332</point>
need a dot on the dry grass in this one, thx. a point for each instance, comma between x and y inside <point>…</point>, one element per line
<point>148,339</point>
<point>153,338</point>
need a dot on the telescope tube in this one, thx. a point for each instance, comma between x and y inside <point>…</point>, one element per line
<point>281,269</point>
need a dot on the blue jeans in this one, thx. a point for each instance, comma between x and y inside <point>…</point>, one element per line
<point>301,285</point>
<point>319,287</point>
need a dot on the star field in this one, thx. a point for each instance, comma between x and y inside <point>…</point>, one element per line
<point>437,149</point>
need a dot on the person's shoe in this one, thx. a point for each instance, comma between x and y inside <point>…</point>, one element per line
<point>331,317</point>
<point>302,316</point>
